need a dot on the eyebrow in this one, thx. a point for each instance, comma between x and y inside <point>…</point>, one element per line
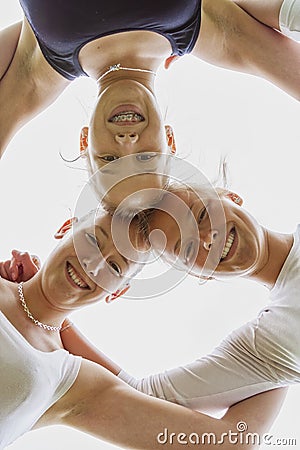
<point>191,207</point>
<point>177,245</point>
<point>102,231</point>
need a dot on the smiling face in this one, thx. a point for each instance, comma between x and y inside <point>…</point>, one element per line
<point>228,241</point>
<point>89,263</point>
<point>127,121</point>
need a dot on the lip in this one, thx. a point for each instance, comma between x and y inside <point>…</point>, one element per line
<point>126,124</point>
<point>234,245</point>
<point>125,108</point>
<point>73,284</point>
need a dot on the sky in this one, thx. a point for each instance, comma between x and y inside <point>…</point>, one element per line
<point>214,112</point>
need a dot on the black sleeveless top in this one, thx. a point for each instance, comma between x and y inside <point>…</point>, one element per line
<point>63,27</point>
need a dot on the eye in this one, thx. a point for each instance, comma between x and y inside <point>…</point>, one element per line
<point>92,239</point>
<point>115,268</point>
<point>145,156</point>
<point>108,158</point>
<point>202,214</point>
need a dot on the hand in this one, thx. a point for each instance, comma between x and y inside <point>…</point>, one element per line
<point>21,267</point>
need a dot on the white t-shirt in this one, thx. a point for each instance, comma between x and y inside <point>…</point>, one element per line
<point>289,18</point>
<point>30,381</point>
<point>261,355</point>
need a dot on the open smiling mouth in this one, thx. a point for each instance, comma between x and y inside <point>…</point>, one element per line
<point>228,244</point>
<point>75,277</point>
<point>126,117</point>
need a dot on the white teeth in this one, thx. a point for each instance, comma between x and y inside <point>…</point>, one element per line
<point>127,116</point>
<point>228,244</point>
<point>75,278</point>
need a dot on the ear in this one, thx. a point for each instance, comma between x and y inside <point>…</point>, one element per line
<point>170,60</point>
<point>170,139</point>
<point>84,140</point>
<point>65,228</point>
<point>110,298</point>
<point>234,197</point>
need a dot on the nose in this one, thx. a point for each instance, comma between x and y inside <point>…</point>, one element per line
<point>93,265</point>
<point>209,239</point>
<point>127,138</point>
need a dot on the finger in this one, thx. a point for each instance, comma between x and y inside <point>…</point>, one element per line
<point>29,269</point>
<point>25,257</point>
<point>20,256</point>
<point>26,265</point>
<point>36,260</point>
<point>4,270</point>
<point>13,269</point>
<point>3,273</point>
<point>16,254</point>
<point>23,266</point>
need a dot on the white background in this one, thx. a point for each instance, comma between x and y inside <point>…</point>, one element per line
<point>214,112</point>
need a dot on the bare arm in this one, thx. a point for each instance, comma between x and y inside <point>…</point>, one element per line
<point>266,11</point>
<point>231,38</point>
<point>210,384</point>
<point>103,406</point>
<point>28,85</point>
<point>9,38</point>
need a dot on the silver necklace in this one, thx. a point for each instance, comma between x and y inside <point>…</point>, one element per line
<point>35,321</point>
<point>118,66</point>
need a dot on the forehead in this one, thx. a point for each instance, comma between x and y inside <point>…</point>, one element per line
<point>189,195</point>
<point>177,204</point>
<point>97,217</point>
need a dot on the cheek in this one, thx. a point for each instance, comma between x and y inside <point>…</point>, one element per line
<point>92,165</point>
<point>80,250</point>
<point>206,263</point>
<point>89,159</point>
<point>106,282</point>
<point>247,252</point>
